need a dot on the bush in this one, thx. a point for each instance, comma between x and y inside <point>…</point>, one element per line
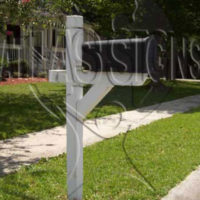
<point>3,63</point>
<point>15,66</point>
<point>17,75</point>
<point>24,68</point>
<point>42,75</point>
<point>26,75</point>
<point>3,69</point>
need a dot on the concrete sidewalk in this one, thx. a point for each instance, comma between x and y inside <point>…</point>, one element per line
<point>189,189</point>
<point>31,147</point>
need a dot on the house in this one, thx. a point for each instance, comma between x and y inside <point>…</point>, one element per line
<point>40,48</point>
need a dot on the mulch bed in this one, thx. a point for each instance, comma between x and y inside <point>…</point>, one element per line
<point>14,81</point>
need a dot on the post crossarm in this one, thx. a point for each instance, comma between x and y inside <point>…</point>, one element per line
<point>94,95</point>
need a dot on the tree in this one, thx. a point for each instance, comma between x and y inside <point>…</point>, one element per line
<point>26,12</point>
<point>183,15</point>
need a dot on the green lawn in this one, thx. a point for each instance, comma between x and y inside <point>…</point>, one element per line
<point>20,112</point>
<point>164,151</point>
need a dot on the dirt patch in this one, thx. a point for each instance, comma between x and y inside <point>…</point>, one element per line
<point>14,81</point>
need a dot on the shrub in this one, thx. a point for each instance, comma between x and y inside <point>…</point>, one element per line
<point>16,75</point>
<point>24,68</point>
<point>42,75</point>
<point>3,63</point>
<point>26,75</point>
<point>15,66</point>
<point>3,69</point>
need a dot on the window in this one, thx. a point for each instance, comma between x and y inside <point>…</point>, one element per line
<point>58,39</point>
<point>54,38</point>
<point>13,34</point>
<point>37,38</point>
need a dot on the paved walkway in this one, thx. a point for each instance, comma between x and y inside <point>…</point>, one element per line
<point>30,148</point>
<point>189,189</point>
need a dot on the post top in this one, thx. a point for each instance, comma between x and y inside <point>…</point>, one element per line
<point>74,21</point>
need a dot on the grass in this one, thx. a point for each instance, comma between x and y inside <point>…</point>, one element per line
<point>165,151</point>
<point>21,113</point>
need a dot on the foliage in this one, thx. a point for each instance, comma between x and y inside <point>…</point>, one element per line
<point>184,16</point>
<point>13,66</point>
<point>24,67</point>
<point>101,13</point>
<point>42,74</point>
<point>3,66</point>
<point>18,68</point>
<point>34,12</point>
<point>16,75</point>
<point>3,69</point>
<point>3,62</point>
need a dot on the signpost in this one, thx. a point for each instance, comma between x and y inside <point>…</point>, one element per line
<point>91,63</point>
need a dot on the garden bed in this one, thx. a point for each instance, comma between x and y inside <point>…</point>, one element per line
<point>14,81</point>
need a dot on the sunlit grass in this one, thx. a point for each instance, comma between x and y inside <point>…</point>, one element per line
<point>165,152</point>
<point>21,113</point>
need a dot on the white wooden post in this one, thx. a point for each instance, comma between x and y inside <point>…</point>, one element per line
<point>74,35</point>
<point>78,106</point>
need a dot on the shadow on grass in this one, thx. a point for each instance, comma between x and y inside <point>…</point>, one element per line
<point>41,181</point>
<point>20,187</point>
<point>137,97</point>
<point>21,113</point>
